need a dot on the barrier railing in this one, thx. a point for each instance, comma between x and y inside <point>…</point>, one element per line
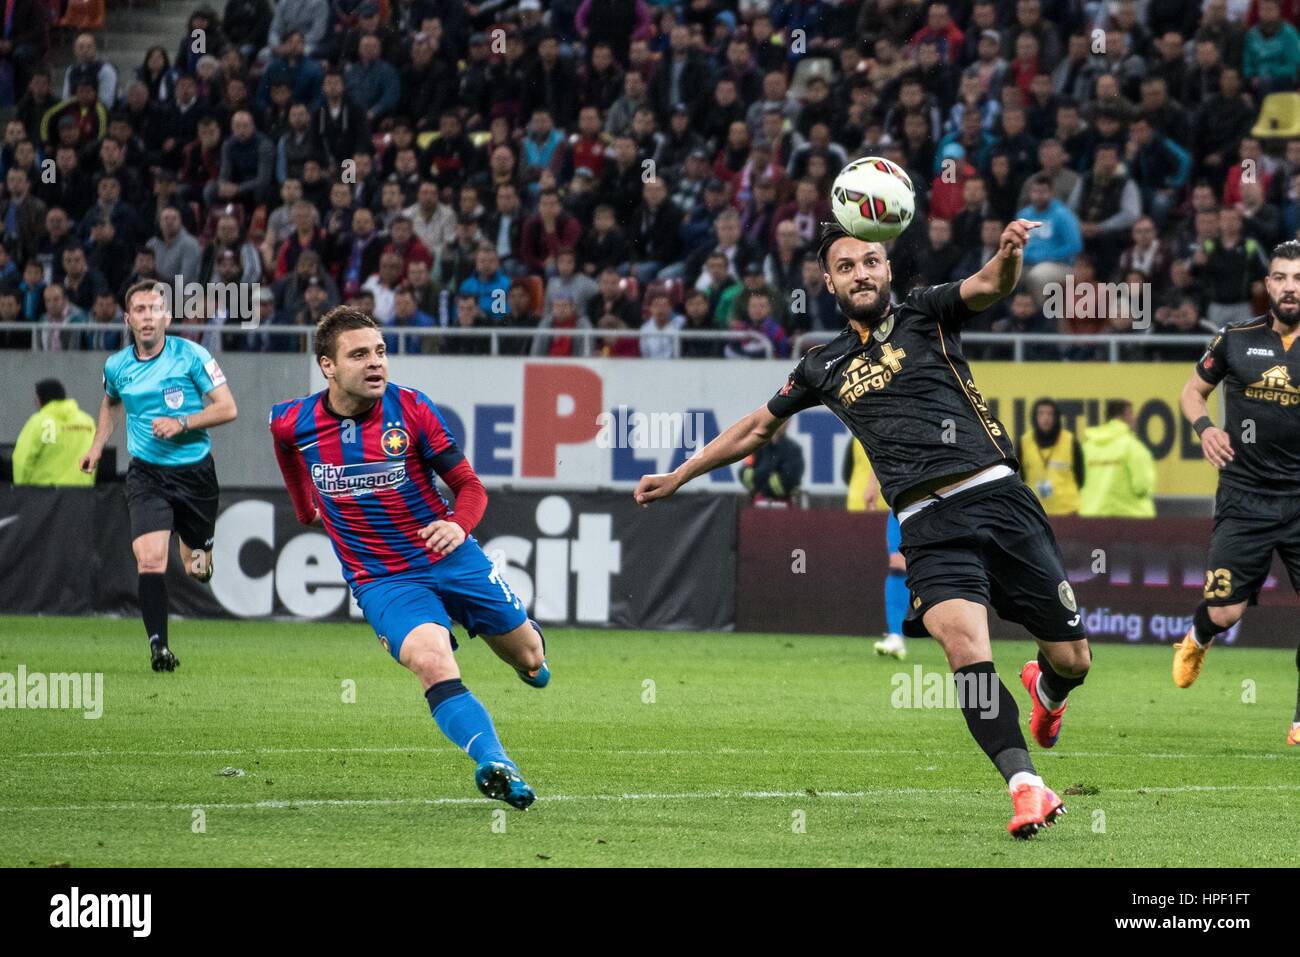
<point>94,336</point>
<point>1017,341</point>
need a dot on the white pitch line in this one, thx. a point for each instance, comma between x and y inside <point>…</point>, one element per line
<point>630,752</point>
<point>291,804</point>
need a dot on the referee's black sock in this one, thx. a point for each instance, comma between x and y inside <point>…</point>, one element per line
<point>153,606</point>
<point>1055,686</point>
<point>993,718</point>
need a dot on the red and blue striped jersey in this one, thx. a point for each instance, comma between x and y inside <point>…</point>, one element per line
<point>372,478</point>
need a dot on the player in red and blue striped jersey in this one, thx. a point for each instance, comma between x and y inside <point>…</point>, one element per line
<point>359,459</point>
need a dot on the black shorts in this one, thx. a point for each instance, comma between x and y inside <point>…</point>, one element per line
<point>992,545</point>
<point>167,497</point>
<point>1248,528</point>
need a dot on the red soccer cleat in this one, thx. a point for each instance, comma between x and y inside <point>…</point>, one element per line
<point>1035,808</point>
<point>1043,724</point>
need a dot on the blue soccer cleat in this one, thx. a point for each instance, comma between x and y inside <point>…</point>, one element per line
<point>502,782</point>
<point>542,676</point>
<point>539,678</point>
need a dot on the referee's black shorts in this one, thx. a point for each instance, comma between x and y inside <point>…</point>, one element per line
<point>1248,528</point>
<point>992,545</point>
<point>179,497</point>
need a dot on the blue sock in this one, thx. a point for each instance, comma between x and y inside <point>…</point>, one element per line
<point>896,599</point>
<point>465,721</point>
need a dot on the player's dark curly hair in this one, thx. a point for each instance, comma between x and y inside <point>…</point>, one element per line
<point>830,231</point>
<point>337,320</point>
<point>1287,250</point>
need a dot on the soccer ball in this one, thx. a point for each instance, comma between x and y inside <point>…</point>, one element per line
<point>873,199</point>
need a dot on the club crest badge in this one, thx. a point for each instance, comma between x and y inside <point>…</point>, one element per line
<point>395,442</point>
<point>1066,594</point>
<point>174,397</point>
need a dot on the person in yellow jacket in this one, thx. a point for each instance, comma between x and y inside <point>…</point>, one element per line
<point>1121,480</point>
<point>864,494</point>
<point>1051,460</point>
<point>51,444</point>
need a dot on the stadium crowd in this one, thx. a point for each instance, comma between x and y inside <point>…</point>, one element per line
<point>628,164</point>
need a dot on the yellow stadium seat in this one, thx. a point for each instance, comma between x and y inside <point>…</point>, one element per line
<point>1279,117</point>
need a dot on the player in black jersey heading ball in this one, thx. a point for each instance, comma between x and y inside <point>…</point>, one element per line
<point>1257,507</point>
<point>973,534</point>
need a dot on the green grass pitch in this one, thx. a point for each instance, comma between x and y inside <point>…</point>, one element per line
<point>647,749</point>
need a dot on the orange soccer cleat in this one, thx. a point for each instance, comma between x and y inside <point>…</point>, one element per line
<point>1188,656</point>
<point>1043,724</point>
<point>1035,807</point>
<point>1293,737</point>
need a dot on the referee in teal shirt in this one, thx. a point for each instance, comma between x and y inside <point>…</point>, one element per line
<point>173,392</point>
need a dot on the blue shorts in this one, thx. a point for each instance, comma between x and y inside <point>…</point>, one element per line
<point>893,535</point>
<point>462,587</point>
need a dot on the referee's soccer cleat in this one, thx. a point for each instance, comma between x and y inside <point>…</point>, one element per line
<point>1035,808</point>
<point>892,645</point>
<point>1188,657</point>
<point>161,657</point>
<point>1293,736</point>
<point>1043,724</point>
<point>502,782</point>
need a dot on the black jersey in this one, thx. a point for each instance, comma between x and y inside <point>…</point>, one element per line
<point>1262,404</point>
<point>906,393</point>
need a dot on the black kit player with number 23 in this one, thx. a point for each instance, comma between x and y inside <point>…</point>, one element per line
<point>1257,506</point>
<point>973,534</point>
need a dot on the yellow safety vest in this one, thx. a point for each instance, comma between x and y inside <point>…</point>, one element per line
<point>1050,473</point>
<point>858,481</point>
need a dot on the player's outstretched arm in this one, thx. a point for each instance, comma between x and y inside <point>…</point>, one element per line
<point>1000,274</point>
<point>1215,442</point>
<point>741,439</point>
<point>104,428</point>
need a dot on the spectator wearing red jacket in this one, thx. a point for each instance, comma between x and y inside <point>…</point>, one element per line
<point>546,232</point>
<point>940,29</point>
<point>404,242</point>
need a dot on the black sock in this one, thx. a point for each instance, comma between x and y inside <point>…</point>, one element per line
<point>1057,687</point>
<point>153,606</point>
<point>1204,627</point>
<point>996,731</point>
<point>1297,693</point>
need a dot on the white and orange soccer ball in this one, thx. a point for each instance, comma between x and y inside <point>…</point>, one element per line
<point>873,199</point>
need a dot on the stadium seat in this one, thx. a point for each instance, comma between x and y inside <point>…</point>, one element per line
<point>83,15</point>
<point>536,292</point>
<point>1279,117</point>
